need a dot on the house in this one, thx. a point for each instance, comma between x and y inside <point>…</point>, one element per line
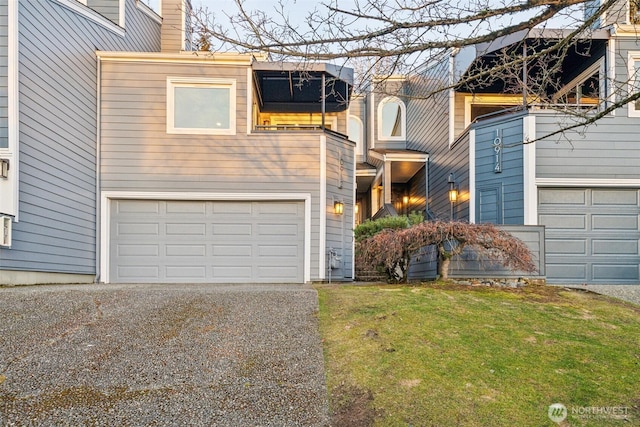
<point>48,129</point>
<point>505,153</point>
<point>248,197</point>
<point>121,169</point>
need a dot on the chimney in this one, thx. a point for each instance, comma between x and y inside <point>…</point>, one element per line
<point>176,26</point>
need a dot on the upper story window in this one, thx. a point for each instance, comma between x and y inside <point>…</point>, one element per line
<point>355,131</point>
<point>634,82</point>
<point>201,106</point>
<point>584,89</point>
<point>487,106</point>
<point>391,119</point>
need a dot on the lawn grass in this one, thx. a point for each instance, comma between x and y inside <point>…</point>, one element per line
<point>445,355</point>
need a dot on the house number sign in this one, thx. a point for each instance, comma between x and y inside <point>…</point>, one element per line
<point>497,149</point>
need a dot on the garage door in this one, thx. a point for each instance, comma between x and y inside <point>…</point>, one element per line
<point>206,241</point>
<point>592,235</point>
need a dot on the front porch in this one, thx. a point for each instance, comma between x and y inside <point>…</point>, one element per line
<point>395,182</point>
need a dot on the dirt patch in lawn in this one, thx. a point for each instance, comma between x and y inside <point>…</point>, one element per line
<point>352,407</point>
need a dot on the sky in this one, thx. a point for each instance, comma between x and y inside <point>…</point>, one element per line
<point>296,7</point>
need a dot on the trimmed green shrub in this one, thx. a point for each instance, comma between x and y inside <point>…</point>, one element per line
<point>370,227</point>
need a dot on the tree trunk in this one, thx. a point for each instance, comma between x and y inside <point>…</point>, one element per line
<point>443,267</point>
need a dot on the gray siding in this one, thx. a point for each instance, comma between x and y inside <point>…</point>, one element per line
<point>137,153</point>
<point>110,9</point>
<point>4,43</point>
<point>56,231</point>
<point>441,163</point>
<point>500,196</point>
<point>340,227</point>
<point>428,131</point>
<point>607,149</point>
<point>471,265</point>
<point>418,192</point>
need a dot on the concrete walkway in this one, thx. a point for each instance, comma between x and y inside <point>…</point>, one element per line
<point>629,293</point>
<point>234,355</point>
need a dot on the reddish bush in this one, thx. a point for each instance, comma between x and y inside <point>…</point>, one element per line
<point>393,250</point>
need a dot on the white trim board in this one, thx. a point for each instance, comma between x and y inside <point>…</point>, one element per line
<point>9,188</point>
<point>530,192</point>
<point>92,15</point>
<point>587,182</point>
<point>105,216</point>
<point>472,176</point>
<point>323,208</point>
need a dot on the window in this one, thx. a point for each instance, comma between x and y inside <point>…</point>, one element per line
<point>584,89</point>
<point>391,120</point>
<point>201,106</point>
<point>634,82</point>
<point>480,105</point>
<point>355,132</point>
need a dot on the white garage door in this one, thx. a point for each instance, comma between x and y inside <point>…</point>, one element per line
<point>592,235</point>
<point>206,241</point>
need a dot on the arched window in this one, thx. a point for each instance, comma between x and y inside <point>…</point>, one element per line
<point>355,132</point>
<point>391,120</point>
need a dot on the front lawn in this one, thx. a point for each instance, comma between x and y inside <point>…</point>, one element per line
<point>446,355</point>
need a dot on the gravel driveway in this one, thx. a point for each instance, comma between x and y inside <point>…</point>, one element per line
<point>215,355</point>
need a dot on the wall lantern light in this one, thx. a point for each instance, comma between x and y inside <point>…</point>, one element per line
<point>357,208</point>
<point>453,189</point>
<point>338,207</point>
<point>4,168</point>
<point>405,200</point>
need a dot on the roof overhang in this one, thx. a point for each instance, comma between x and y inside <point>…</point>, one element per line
<point>404,164</point>
<point>365,175</point>
<point>585,50</point>
<point>297,88</point>
<point>537,34</point>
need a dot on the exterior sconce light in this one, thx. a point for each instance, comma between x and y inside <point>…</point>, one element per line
<point>338,207</point>
<point>4,168</point>
<point>453,189</point>
<point>356,208</point>
<point>405,200</point>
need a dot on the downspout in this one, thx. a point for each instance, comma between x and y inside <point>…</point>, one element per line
<point>452,95</point>
<point>324,94</point>
<point>427,214</point>
<point>98,150</point>
<point>525,71</point>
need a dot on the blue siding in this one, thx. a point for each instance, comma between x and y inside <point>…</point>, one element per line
<point>56,231</point>
<point>500,196</point>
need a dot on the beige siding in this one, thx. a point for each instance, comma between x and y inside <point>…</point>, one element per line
<point>172,26</point>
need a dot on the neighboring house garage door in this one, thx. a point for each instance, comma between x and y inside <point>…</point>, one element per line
<point>592,235</point>
<point>206,241</point>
